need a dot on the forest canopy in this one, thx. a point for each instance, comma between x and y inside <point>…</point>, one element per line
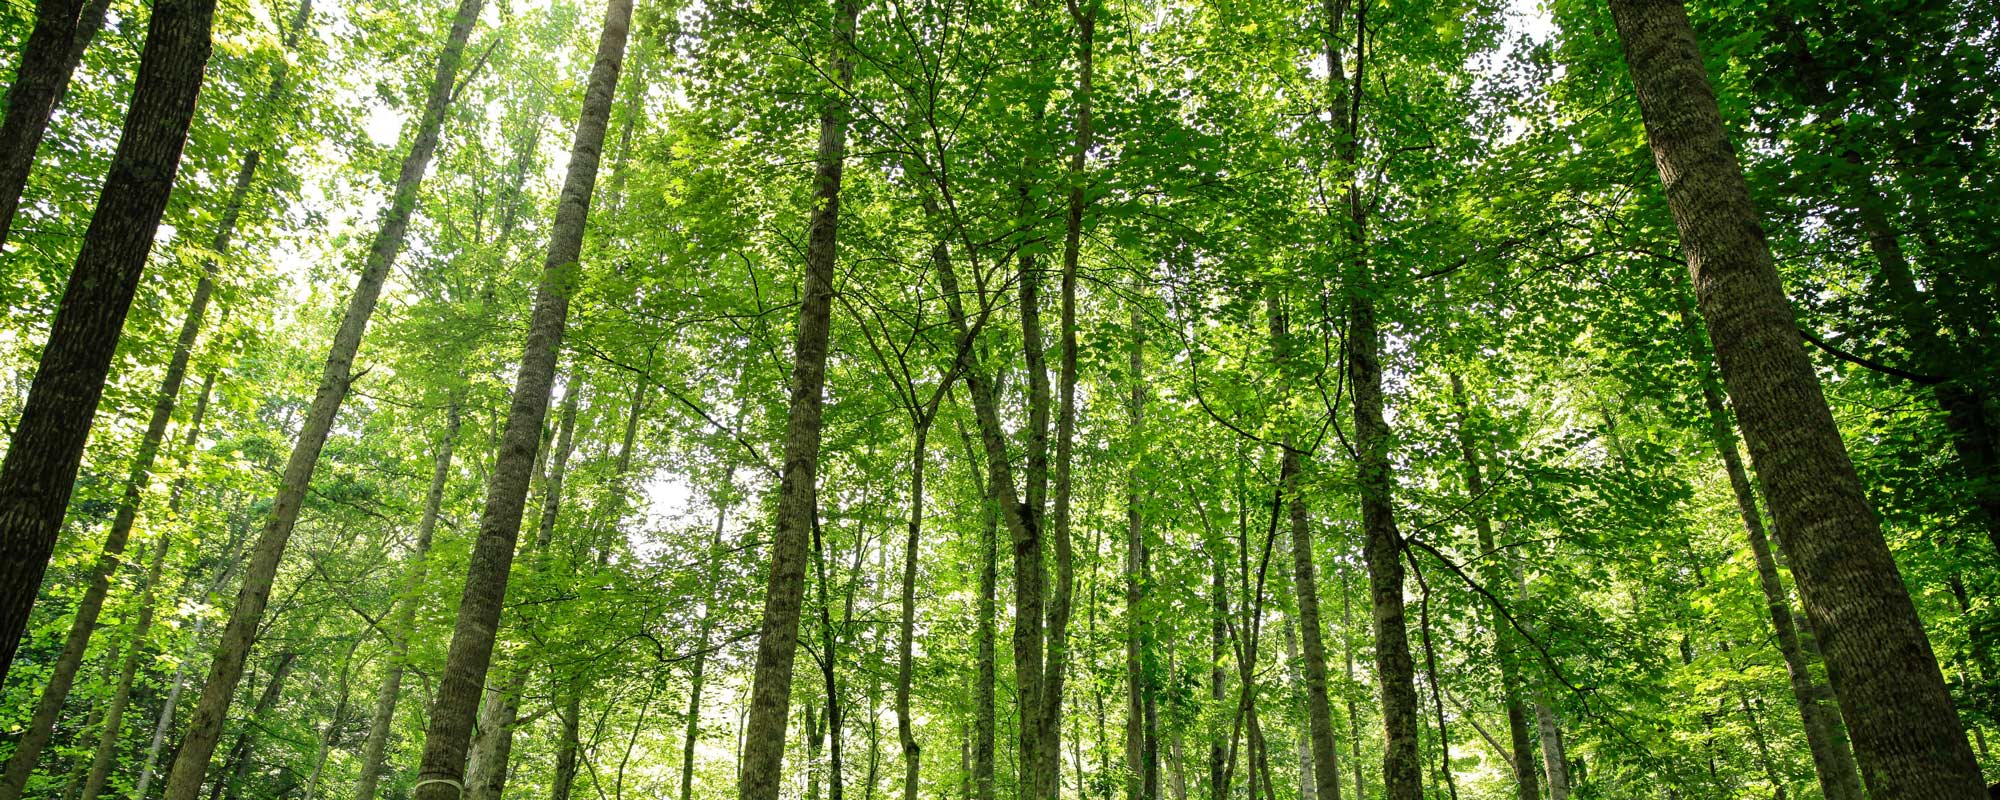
<point>1000,399</point>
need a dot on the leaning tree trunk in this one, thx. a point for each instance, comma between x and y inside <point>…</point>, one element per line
<point>205,726</point>
<point>63,673</point>
<point>47,445</point>
<point>135,652</point>
<point>1833,760</point>
<point>237,761</point>
<point>450,729</point>
<point>778,640</point>
<point>40,79</point>
<point>403,614</point>
<point>1907,735</point>
<point>1506,644</point>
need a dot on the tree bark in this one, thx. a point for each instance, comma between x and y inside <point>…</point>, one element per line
<point>46,448</point>
<point>205,725</point>
<point>906,735</point>
<point>236,763</point>
<point>40,79</point>
<point>1907,735</point>
<point>1139,778</point>
<point>450,729</point>
<point>985,633</point>
<point>798,512</point>
<point>1833,760</point>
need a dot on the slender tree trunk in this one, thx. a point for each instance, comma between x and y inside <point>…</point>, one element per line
<point>1319,704</point>
<point>1353,687</point>
<point>403,615</point>
<point>798,512</point>
<point>329,739</point>
<point>1907,735</point>
<point>450,729</point>
<point>237,762</point>
<point>566,749</point>
<point>46,448</point>
<point>205,725</point>
<point>1137,689</point>
<point>1521,752</point>
<point>906,735</point>
<point>135,652</point>
<point>40,79</point>
<point>1833,760</point>
<point>985,632</point>
<point>1218,678</point>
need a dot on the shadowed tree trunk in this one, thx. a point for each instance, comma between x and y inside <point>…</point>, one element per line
<point>84,624</point>
<point>1907,735</point>
<point>41,78</point>
<point>47,444</point>
<point>798,512</point>
<point>205,725</point>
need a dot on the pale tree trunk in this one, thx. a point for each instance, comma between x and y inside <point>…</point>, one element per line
<point>1833,760</point>
<point>798,502</point>
<point>499,708</point>
<point>135,652</point>
<point>63,673</point>
<point>205,725</point>
<point>450,729</point>
<point>46,448</point>
<point>1305,584</point>
<point>403,614</point>
<point>1907,735</point>
<point>1506,645</point>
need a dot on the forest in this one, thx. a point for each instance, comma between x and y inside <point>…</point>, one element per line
<point>1000,400</point>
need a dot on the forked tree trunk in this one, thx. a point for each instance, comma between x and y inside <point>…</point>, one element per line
<point>205,725</point>
<point>449,732</point>
<point>798,511</point>
<point>39,471</point>
<point>1907,735</point>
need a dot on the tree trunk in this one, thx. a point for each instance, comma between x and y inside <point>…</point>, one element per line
<point>46,448</point>
<point>906,735</point>
<point>135,652</point>
<point>1138,691</point>
<point>450,730</point>
<point>205,726</point>
<point>798,512</point>
<point>236,763</point>
<point>1305,586</point>
<point>985,632</point>
<point>1833,760</point>
<point>40,79</point>
<point>1506,645</point>
<point>333,725</point>
<point>403,614</point>
<point>1907,735</point>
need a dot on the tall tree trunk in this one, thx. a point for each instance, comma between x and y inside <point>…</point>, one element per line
<point>567,747</point>
<point>1353,687</point>
<point>41,78</point>
<point>1218,677</point>
<point>328,740</point>
<point>1305,584</point>
<point>39,470</point>
<point>1048,742</point>
<point>985,632</point>
<point>798,501</point>
<point>1833,760</point>
<point>63,673</point>
<point>698,673</point>
<point>906,735</point>
<point>135,650</point>
<point>205,725</point>
<point>1137,689</point>
<point>1506,645</point>
<point>450,729</point>
<point>403,614</point>
<point>1907,735</point>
